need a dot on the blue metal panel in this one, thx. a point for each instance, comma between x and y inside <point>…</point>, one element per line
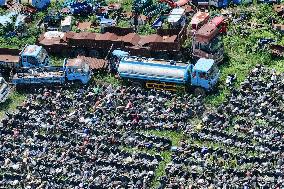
<point>225,3</point>
<point>204,64</point>
<point>84,78</point>
<point>237,2</point>
<point>2,2</point>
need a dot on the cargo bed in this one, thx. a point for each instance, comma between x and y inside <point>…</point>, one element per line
<point>50,75</point>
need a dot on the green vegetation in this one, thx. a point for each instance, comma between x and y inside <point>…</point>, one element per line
<point>14,100</point>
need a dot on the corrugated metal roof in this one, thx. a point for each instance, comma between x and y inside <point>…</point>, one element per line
<point>150,38</point>
<point>84,35</point>
<point>132,38</point>
<point>53,34</point>
<point>106,37</point>
<point>94,63</point>
<point>278,8</point>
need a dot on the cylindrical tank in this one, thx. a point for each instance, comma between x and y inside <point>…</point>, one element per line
<point>150,69</point>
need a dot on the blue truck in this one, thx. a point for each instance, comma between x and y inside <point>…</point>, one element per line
<point>70,71</point>
<point>162,74</point>
<point>31,56</point>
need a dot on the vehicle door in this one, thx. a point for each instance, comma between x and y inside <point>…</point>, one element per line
<point>202,80</point>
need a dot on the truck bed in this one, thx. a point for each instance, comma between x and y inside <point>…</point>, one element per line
<point>39,78</point>
<point>9,58</point>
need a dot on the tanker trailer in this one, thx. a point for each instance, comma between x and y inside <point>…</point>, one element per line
<point>169,74</point>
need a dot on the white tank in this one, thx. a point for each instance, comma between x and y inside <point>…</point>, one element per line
<point>131,67</point>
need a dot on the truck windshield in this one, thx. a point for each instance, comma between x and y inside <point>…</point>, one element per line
<point>42,55</point>
<point>213,72</point>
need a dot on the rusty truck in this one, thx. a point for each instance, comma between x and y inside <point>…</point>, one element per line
<point>165,44</point>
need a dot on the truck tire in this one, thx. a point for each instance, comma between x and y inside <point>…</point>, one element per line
<point>199,91</point>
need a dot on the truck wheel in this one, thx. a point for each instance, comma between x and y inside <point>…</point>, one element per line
<point>199,91</point>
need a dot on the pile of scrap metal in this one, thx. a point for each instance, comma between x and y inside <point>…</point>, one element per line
<point>278,27</point>
<point>206,3</point>
<point>277,50</point>
<point>28,5</point>
<point>82,8</point>
<point>55,21</point>
<point>52,21</point>
<point>39,5</point>
<point>4,90</point>
<point>89,7</point>
<point>148,8</point>
<point>13,24</point>
<point>272,46</point>
<point>279,9</point>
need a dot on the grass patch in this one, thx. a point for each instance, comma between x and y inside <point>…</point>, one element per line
<point>160,171</point>
<point>15,99</point>
<point>104,78</point>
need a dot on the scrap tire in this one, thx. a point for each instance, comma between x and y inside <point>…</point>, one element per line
<point>199,91</point>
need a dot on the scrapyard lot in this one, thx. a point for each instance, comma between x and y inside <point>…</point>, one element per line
<point>119,136</point>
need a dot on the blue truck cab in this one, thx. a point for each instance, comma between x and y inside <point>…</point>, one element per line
<point>204,74</point>
<point>34,56</point>
<point>77,70</point>
<point>116,56</point>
